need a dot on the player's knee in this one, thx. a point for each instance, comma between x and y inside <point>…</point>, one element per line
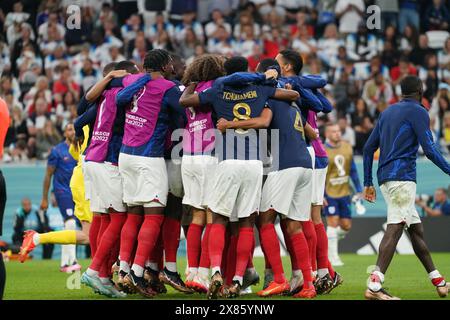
<point>293,227</point>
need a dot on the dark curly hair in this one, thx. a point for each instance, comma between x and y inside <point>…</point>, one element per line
<point>156,60</point>
<point>204,68</point>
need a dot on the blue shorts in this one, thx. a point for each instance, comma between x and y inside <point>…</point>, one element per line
<point>65,205</point>
<point>339,207</point>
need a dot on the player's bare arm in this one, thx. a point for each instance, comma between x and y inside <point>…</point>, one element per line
<point>48,177</point>
<point>261,122</point>
<point>95,92</point>
<point>190,98</point>
<point>286,94</point>
<point>310,133</point>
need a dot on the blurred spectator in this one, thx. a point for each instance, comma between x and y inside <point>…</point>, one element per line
<point>403,69</point>
<point>417,56</point>
<point>52,22</point>
<point>160,26</point>
<point>444,55</point>
<point>46,139</point>
<point>245,20</point>
<point>409,40</point>
<point>66,83</point>
<point>329,44</point>
<point>408,14</point>
<point>28,217</point>
<point>271,6</point>
<point>216,21</point>
<point>87,76</point>
<point>440,204</point>
<point>348,134</point>
<point>304,43</point>
<point>377,93</point>
<point>350,14</point>
<point>389,12</point>
<point>16,137</point>
<point>437,16</point>
<point>188,23</point>
<point>39,117</point>
<point>361,45</point>
<point>221,43</point>
<point>186,46</point>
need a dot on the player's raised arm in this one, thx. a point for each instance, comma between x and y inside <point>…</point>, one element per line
<point>125,96</point>
<point>190,98</point>
<point>95,92</point>
<point>261,122</point>
<point>421,125</point>
<point>286,94</point>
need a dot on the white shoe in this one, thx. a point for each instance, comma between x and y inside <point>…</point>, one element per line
<point>296,282</point>
<point>247,290</point>
<point>199,284</point>
<point>336,261</point>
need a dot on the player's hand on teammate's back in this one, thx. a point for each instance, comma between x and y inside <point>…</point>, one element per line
<point>271,74</point>
<point>222,125</point>
<point>288,86</point>
<point>370,194</point>
<point>44,204</point>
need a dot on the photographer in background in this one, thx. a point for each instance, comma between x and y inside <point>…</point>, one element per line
<point>440,206</point>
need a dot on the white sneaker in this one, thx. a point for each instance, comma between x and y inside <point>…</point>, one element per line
<point>247,290</point>
<point>336,261</point>
<point>199,284</point>
<point>296,282</point>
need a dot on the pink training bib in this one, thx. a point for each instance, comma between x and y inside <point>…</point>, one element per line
<point>199,120</point>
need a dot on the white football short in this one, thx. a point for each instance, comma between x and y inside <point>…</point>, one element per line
<point>105,187</point>
<point>87,181</point>
<point>289,192</point>
<point>236,189</point>
<point>198,173</point>
<point>400,199</point>
<point>174,176</point>
<point>318,180</point>
<point>318,186</point>
<point>145,181</point>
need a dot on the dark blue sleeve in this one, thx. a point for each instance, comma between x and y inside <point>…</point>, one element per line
<point>354,176</point>
<point>370,147</point>
<point>125,96</point>
<point>172,101</point>
<point>208,96</point>
<point>445,209</point>
<point>86,118</point>
<point>308,99</point>
<point>267,91</point>
<point>420,122</point>
<point>326,105</point>
<point>83,105</point>
<point>240,78</point>
<point>116,83</point>
<point>312,82</point>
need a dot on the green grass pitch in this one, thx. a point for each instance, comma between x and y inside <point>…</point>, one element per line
<point>405,278</point>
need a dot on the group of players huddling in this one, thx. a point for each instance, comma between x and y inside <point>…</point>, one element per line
<point>127,178</point>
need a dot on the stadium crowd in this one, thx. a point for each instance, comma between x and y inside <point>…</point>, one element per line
<point>46,65</point>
